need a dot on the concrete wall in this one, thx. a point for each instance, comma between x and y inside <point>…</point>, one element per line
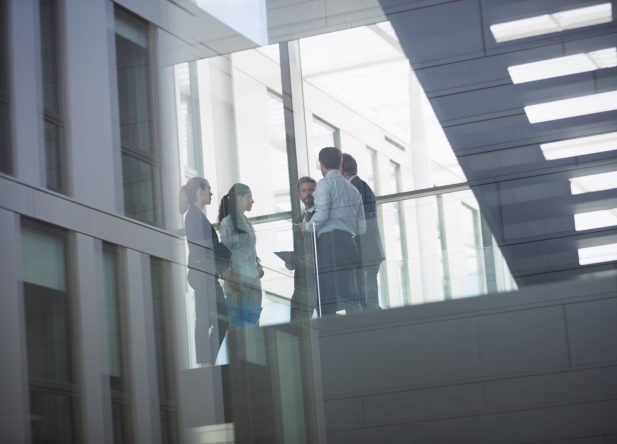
<point>528,367</point>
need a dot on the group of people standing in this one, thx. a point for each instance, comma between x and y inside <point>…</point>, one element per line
<point>338,222</point>
<point>340,214</point>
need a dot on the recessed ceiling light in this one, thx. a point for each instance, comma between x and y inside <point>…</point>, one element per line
<point>576,106</point>
<point>579,146</point>
<point>595,219</point>
<point>593,182</point>
<point>563,66</point>
<point>595,255</point>
<point>549,23</point>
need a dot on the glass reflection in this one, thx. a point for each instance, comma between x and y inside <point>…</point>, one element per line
<point>48,334</point>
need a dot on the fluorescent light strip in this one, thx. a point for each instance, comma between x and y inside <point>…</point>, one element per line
<point>595,219</point>
<point>595,255</point>
<point>576,106</point>
<point>593,182</point>
<point>549,23</point>
<point>563,66</point>
<point>580,146</point>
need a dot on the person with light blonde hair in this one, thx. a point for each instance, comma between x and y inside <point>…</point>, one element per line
<point>208,259</point>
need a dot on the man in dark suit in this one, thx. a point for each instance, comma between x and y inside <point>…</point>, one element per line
<point>370,249</point>
<point>304,298</point>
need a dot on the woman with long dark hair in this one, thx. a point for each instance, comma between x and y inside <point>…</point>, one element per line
<point>243,286</point>
<point>207,259</point>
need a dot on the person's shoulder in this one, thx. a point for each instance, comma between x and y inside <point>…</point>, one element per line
<point>361,182</point>
<point>193,214</point>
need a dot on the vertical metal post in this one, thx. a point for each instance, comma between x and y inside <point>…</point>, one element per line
<point>445,260</point>
<point>295,128</point>
<point>298,162</point>
<point>490,271</point>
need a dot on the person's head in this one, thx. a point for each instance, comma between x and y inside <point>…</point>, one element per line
<point>195,192</point>
<point>329,159</point>
<point>236,202</point>
<point>349,166</point>
<point>305,188</point>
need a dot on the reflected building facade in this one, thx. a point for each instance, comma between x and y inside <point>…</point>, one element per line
<point>486,130</point>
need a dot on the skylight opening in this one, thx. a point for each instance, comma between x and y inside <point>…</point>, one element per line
<point>595,219</point>
<point>580,146</point>
<point>596,255</point>
<point>556,22</point>
<point>593,183</point>
<point>576,106</point>
<point>563,66</point>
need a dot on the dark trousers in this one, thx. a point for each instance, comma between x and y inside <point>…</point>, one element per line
<point>368,289</point>
<point>337,257</point>
<point>211,318</point>
<point>304,298</point>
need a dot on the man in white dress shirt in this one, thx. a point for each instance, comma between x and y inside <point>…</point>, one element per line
<point>338,218</point>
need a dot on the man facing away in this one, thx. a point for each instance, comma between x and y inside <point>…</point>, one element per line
<point>339,216</point>
<point>303,300</point>
<point>370,249</point>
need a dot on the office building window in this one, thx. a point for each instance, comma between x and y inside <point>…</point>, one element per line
<point>394,143</point>
<point>372,170</point>
<point>278,152</point>
<point>5,116</point>
<point>163,335</point>
<point>325,134</point>
<point>53,106</point>
<point>140,156</point>
<point>115,358</point>
<point>396,242</point>
<point>189,121</point>
<point>49,336</point>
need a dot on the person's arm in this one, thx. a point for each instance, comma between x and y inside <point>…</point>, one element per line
<point>193,228</point>
<point>370,202</point>
<point>199,242</point>
<point>227,233</point>
<point>360,220</point>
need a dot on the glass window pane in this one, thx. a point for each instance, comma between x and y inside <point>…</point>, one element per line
<point>114,355</point>
<point>44,259</point>
<point>48,322</point>
<point>4,46</point>
<point>242,116</point>
<point>133,68</point>
<point>53,156</point>
<point>372,171</point>
<point>51,418</point>
<point>48,333</point>
<point>324,135</point>
<point>187,100</point>
<point>140,169</point>
<point>160,328</point>
<point>48,10</point>
<point>163,341</point>
<point>278,152</point>
<point>140,179</point>
<point>52,100</point>
<point>5,136</point>
<point>120,421</point>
